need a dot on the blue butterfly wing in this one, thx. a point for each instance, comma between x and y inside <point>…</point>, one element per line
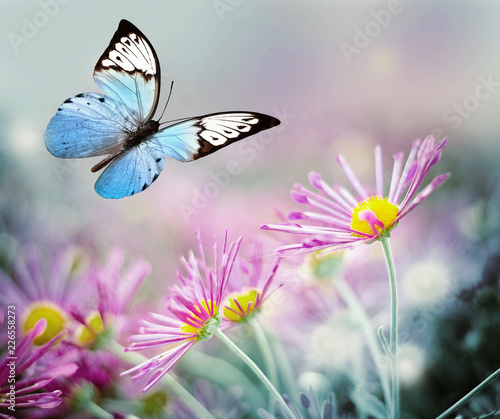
<point>199,137</point>
<point>131,172</point>
<point>128,71</point>
<point>86,125</point>
<point>137,168</point>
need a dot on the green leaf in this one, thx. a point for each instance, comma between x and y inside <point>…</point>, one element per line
<point>369,404</point>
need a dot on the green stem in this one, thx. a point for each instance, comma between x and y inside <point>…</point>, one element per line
<point>267,355</point>
<point>98,412</point>
<point>358,374</point>
<point>287,372</point>
<point>258,372</point>
<point>357,309</point>
<point>171,383</point>
<point>394,326</point>
<point>381,336</point>
<point>469,395</point>
<point>221,372</point>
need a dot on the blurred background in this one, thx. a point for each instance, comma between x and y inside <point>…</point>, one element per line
<point>342,76</point>
<point>340,81</point>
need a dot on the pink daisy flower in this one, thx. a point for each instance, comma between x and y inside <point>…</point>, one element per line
<point>79,304</point>
<point>340,219</point>
<point>20,386</point>
<point>192,312</point>
<point>249,288</point>
<point>47,288</point>
<point>116,287</point>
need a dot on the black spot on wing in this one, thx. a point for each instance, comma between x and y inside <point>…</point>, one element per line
<point>68,101</point>
<point>101,99</point>
<point>155,177</point>
<point>205,148</point>
<point>79,95</point>
<point>144,186</point>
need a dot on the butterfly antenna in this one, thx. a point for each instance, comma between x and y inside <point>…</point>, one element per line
<point>177,119</point>
<point>168,99</point>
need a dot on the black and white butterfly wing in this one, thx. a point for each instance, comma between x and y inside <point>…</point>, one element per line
<point>199,137</point>
<point>135,169</point>
<point>129,72</point>
<point>94,124</point>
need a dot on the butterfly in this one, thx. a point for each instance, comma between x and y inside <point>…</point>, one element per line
<point>120,124</point>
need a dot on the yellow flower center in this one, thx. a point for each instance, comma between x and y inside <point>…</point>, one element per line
<point>385,212</point>
<point>246,300</point>
<point>87,335</point>
<point>206,330</point>
<point>55,316</point>
<point>154,405</point>
<point>322,266</point>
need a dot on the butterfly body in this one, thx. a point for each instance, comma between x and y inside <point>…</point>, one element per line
<point>143,132</point>
<point>120,124</point>
<point>133,140</point>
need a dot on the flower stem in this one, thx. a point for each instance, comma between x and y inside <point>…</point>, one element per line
<point>171,383</point>
<point>394,326</point>
<point>267,355</point>
<point>245,358</point>
<point>470,394</point>
<point>357,309</point>
<point>98,412</point>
